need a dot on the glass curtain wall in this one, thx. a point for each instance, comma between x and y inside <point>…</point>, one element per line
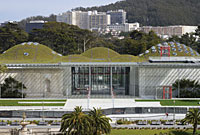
<point>100,80</point>
<point>120,80</point>
<point>80,80</point>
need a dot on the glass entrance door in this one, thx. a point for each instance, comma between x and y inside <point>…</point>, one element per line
<point>100,80</point>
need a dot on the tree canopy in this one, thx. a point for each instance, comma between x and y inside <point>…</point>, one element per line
<point>11,35</point>
<point>80,123</point>
<point>187,88</point>
<point>12,88</point>
<point>61,37</point>
<point>190,39</point>
<point>69,39</point>
<point>100,122</point>
<point>193,117</point>
<point>137,43</point>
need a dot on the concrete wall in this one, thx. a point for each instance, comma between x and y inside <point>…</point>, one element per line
<point>130,110</point>
<point>134,81</point>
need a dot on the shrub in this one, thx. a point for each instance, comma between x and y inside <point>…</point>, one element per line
<point>119,122</point>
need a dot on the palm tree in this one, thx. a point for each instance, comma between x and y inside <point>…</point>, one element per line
<point>76,123</point>
<point>100,122</point>
<point>193,117</point>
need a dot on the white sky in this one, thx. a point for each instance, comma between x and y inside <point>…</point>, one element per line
<point>16,10</point>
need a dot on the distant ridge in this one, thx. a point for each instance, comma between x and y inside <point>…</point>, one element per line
<point>157,12</point>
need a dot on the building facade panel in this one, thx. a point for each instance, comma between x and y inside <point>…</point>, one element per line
<point>38,82</point>
<point>134,80</point>
<point>153,79</point>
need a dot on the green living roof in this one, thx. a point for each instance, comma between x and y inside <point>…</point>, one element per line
<point>176,49</point>
<point>100,53</point>
<point>32,52</point>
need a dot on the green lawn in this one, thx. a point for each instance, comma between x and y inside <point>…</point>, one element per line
<point>15,103</point>
<point>150,132</point>
<point>171,102</point>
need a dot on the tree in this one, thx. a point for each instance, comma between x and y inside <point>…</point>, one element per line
<point>86,39</point>
<point>197,31</point>
<point>79,123</point>
<point>11,35</point>
<point>174,38</point>
<point>100,122</point>
<point>192,117</point>
<point>63,38</point>
<point>11,88</point>
<point>129,46</point>
<point>76,123</point>
<point>138,42</point>
<point>137,35</point>
<point>187,88</point>
<point>188,39</point>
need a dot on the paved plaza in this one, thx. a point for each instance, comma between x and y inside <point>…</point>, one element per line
<point>107,103</point>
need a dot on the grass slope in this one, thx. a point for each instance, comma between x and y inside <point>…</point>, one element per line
<point>128,58</point>
<point>150,132</point>
<point>171,102</point>
<point>15,102</point>
<point>36,54</point>
<point>100,53</point>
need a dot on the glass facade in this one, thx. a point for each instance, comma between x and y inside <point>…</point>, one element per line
<point>100,80</point>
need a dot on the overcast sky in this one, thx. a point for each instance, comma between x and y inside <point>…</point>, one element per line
<point>16,10</point>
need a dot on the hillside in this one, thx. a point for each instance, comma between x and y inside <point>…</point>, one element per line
<point>157,12</point>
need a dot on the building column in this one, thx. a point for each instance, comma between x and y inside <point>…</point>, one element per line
<point>90,82</point>
<point>111,88</point>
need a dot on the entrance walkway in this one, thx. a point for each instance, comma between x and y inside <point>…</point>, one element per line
<point>107,103</point>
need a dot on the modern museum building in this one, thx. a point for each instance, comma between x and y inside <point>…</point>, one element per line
<point>100,72</point>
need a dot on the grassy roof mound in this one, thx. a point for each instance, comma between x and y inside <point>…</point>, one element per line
<point>36,53</point>
<point>30,52</point>
<point>127,58</point>
<point>76,58</point>
<point>176,49</point>
<point>100,53</point>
